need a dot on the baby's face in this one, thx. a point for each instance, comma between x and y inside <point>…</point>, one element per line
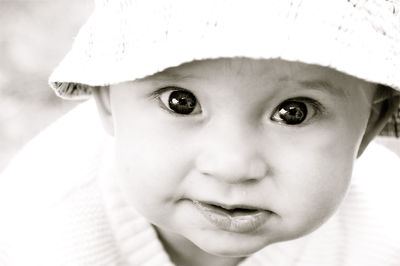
<point>236,154</point>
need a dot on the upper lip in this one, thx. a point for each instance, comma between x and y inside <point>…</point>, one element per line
<point>232,206</point>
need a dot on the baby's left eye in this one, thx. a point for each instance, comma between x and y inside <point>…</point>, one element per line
<point>295,111</point>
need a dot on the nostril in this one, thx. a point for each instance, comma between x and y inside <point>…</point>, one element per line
<point>232,168</point>
<point>257,169</point>
<point>206,165</point>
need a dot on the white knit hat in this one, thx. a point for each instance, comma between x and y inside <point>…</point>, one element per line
<point>128,39</point>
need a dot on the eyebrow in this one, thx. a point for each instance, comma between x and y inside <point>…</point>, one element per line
<point>168,76</point>
<point>323,84</point>
<point>314,84</point>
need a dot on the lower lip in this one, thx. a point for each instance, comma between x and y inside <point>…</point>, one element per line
<point>233,221</point>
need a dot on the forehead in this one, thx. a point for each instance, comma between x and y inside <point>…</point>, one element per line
<point>240,67</point>
<point>276,73</point>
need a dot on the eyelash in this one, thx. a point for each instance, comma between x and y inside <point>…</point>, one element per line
<point>158,94</point>
<point>316,106</point>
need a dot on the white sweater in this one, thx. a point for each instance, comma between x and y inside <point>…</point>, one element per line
<point>59,206</point>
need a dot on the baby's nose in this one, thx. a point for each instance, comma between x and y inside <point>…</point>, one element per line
<point>232,168</point>
<point>232,156</point>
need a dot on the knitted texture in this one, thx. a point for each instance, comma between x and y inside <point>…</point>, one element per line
<point>55,214</point>
<point>128,39</point>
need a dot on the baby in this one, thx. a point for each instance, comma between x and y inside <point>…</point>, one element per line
<point>231,133</point>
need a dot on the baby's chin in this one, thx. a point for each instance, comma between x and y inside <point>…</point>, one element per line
<point>232,252</point>
<point>224,244</point>
<point>233,247</point>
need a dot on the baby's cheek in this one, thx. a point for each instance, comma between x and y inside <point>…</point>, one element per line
<point>152,167</point>
<point>313,186</point>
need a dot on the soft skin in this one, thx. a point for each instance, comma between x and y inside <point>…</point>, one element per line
<point>231,150</point>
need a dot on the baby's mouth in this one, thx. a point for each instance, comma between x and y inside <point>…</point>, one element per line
<point>231,211</point>
<point>239,219</point>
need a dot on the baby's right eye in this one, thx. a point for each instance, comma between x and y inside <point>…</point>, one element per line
<point>179,101</point>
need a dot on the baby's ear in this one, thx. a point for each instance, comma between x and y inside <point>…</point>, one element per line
<point>381,111</point>
<point>102,97</point>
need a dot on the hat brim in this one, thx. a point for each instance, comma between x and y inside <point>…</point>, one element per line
<point>125,42</point>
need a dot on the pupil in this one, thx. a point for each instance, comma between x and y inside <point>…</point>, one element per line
<point>293,112</point>
<point>182,102</point>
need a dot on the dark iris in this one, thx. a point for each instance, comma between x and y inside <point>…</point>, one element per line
<point>182,102</point>
<point>292,112</point>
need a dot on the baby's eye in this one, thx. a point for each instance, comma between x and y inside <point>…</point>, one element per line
<point>178,100</point>
<point>295,111</point>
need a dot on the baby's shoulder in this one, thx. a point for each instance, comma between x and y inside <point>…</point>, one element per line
<point>377,175</point>
<point>365,229</point>
<point>49,190</point>
<point>370,212</point>
<point>61,156</point>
